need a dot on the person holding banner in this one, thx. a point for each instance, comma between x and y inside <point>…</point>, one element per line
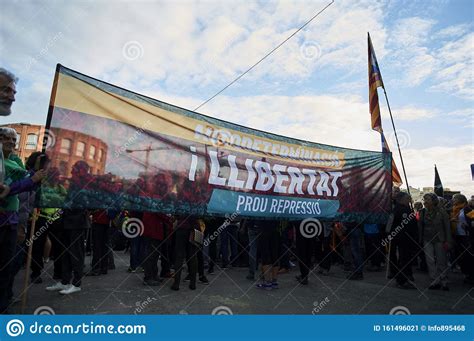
<point>269,242</point>
<point>406,229</point>
<point>354,233</point>
<point>7,96</point>
<point>76,222</point>
<point>305,247</point>
<point>19,180</point>
<point>155,226</point>
<point>185,249</point>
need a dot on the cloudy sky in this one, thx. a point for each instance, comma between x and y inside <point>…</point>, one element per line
<point>314,87</point>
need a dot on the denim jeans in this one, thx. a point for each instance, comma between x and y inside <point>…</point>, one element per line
<point>229,234</point>
<point>253,243</point>
<point>355,237</point>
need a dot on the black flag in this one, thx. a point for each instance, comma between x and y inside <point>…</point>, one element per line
<point>438,186</point>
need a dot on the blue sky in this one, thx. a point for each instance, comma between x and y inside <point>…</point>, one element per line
<point>314,87</point>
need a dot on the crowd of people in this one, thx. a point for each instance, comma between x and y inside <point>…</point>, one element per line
<point>435,235</point>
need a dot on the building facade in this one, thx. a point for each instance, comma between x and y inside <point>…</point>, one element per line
<point>30,138</point>
<point>67,146</point>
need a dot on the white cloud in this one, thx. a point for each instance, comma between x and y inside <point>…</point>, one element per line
<point>456,75</point>
<point>408,39</point>
<point>421,54</point>
<point>452,31</point>
<point>411,113</point>
<point>453,166</point>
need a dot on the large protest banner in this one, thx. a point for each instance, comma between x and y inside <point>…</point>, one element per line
<point>113,148</point>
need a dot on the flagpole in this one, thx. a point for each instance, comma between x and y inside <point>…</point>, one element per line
<point>396,138</point>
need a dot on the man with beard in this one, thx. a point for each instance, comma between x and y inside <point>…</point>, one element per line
<point>7,96</point>
<point>7,91</point>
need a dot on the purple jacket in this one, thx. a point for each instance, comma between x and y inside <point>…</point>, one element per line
<point>11,217</point>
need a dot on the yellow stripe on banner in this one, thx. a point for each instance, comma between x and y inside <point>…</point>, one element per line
<point>76,95</point>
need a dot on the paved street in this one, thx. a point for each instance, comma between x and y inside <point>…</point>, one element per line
<point>120,292</point>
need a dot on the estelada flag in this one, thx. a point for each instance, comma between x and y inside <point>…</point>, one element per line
<point>375,81</point>
<point>396,178</point>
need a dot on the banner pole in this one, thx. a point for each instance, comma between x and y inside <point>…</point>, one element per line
<point>24,293</point>
<point>396,138</point>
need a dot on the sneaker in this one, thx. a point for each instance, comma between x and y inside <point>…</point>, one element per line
<point>71,289</point>
<point>292,265</point>
<point>210,271</point>
<point>131,270</point>
<point>187,278</point>
<point>57,287</point>
<point>265,286</point>
<point>203,280</point>
<point>275,284</point>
